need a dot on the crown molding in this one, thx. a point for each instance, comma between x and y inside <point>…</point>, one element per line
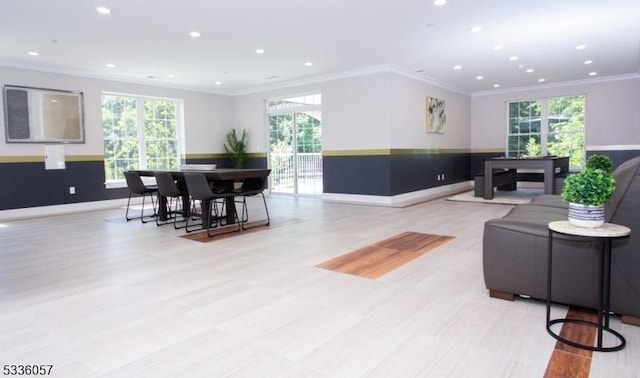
<point>561,84</point>
<point>116,78</point>
<point>387,68</point>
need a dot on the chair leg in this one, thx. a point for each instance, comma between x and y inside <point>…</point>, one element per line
<point>153,205</point>
<point>126,214</point>
<point>168,212</point>
<point>192,210</point>
<point>219,218</point>
<point>246,212</point>
<point>142,216</point>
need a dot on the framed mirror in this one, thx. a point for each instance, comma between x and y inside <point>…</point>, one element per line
<point>39,115</point>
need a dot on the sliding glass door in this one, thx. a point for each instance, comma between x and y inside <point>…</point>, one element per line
<point>295,130</point>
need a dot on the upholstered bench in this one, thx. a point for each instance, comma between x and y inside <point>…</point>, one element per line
<point>503,179</point>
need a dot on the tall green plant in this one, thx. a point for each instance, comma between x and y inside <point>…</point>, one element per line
<point>236,148</point>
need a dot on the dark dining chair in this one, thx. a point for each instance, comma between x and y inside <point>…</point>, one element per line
<point>136,186</point>
<point>168,188</point>
<point>200,190</point>
<point>252,187</point>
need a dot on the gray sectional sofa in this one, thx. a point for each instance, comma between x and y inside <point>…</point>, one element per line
<point>515,252</point>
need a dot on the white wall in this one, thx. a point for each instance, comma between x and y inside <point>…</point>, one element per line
<point>407,102</point>
<point>612,115</point>
<point>354,112</point>
<point>376,111</point>
<point>207,116</point>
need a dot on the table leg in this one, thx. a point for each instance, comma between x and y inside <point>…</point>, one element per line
<point>230,204</point>
<point>488,180</point>
<point>162,208</point>
<point>549,177</point>
<point>205,207</point>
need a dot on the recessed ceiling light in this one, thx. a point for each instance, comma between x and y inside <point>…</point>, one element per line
<point>496,85</point>
<point>541,80</point>
<point>439,2</point>
<point>588,61</point>
<point>581,47</point>
<point>498,47</point>
<point>479,77</point>
<point>593,73</point>
<point>33,53</point>
<point>110,65</point>
<point>530,70</point>
<point>194,34</point>
<point>457,67</point>
<point>103,10</point>
<point>218,82</point>
<point>171,76</point>
<point>476,29</point>
<point>259,51</point>
<point>513,58</point>
<point>308,64</point>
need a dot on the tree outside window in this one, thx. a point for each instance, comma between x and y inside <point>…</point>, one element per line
<point>139,133</point>
<point>553,126</point>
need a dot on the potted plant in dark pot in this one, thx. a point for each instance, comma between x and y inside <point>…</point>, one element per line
<point>235,148</point>
<point>588,191</point>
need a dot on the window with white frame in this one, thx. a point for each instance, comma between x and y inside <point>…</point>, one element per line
<point>549,126</point>
<point>139,133</point>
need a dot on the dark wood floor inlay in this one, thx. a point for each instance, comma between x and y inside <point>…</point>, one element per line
<point>382,257</point>
<point>568,361</point>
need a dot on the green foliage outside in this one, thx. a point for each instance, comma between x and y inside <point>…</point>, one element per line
<point>565,136</point>
<point>121,135</point>
<point>308,131</point>
<point>308,134</point>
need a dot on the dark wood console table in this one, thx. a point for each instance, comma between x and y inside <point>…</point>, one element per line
<point>551,166</point>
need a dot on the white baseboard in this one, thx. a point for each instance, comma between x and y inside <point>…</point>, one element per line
<point>42,211</point>
<point>400,200</point>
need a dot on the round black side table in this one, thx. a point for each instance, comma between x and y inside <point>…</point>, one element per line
<point>604,234</point>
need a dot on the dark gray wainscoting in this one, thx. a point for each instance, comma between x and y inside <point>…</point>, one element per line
<point>29,184</point>
<point>389,175</point>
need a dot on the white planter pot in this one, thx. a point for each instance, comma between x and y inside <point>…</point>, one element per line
<point>586,215</point>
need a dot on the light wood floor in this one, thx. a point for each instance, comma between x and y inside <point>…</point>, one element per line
<point>96,296</point>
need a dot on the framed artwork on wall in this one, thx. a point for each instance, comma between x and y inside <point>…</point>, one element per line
<point>39,115</point>
<point>435,115</point>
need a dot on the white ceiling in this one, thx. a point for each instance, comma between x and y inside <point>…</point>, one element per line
<point>144,38</point>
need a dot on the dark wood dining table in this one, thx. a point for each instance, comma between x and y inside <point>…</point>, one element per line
<point>222,179</point>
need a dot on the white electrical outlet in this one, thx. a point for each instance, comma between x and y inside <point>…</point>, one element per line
<point>72,190</point>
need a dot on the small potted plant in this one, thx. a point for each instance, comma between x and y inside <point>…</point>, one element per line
<point>588,191</point>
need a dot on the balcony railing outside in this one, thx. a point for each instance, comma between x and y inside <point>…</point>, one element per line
<point>309,173</point>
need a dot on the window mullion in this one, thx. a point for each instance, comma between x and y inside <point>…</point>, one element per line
<point>142,140</point>
<point>544,126</point>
